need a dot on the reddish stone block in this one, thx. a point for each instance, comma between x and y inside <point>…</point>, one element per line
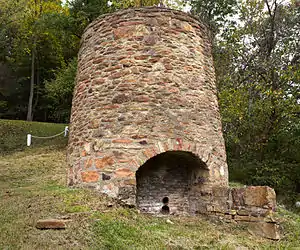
<point>113,68</point>
<point>149,153</point>
<point>264,229</point>
<point>125,141</point>
<point>124,172</point>
<point>166,146</point>
<point>116,75</point>
<point>124,160</point>
<point>141,57</point>
<point>103,162</point>
<point>134,163</point>
<point>83,153</point>
<point>51,224</point>
<point>125,31</point>
<point>142,98</point>
<point>98,81</point>
<point>111,106</point>
<point>90,176</point>
<point>138,136</point>
<point>154,60</point>
<point>179,143</point>
<point>98,60</point>
<point>126,62</point>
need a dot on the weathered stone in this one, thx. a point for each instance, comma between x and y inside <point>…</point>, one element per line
<point>248,218</point>
<point>243,212</point>
<point>260,196</point>
<point>51,224</point>
<point>131,182</point>
<point>101,163</point>
<point>123,32</point>
<point>264,229</point>
<point>238,197</point>
<point>124,172</point>
<point>90,176</point>
<point>121,98</point>
<point>105,177</point>
<point>126,141</point>
<point>88,163</point>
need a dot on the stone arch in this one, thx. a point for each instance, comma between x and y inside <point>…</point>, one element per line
<point>167,182</point>
<point>172,145</point>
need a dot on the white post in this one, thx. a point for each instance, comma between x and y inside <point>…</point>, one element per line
<point>28,140</point>
<point>66,131</point>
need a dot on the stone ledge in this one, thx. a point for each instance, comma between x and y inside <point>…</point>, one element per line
<point>177,14</point>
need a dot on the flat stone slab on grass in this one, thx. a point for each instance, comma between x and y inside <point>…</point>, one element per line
<point>51,224</point>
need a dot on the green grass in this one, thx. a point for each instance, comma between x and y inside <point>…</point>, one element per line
<point>13,135</point>
<point>33,186</point>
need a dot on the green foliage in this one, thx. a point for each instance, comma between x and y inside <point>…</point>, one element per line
<point>60,90</point>
<point>82,12</point>
<point>37,42</point>
<point>214,12</point>
<point>257,66</point>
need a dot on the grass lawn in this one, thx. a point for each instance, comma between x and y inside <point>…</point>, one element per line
<point>33,186</point>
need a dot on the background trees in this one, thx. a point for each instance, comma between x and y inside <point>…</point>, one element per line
<point>257,63</point>
<point>35,45</point>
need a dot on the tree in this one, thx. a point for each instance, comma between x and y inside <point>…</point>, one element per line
<point>216,13</point>
<point>60,91</point>
<point>257,66</point>
<point>38,44</point>
<point>34,31</point>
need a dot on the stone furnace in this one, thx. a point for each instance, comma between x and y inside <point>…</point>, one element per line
<point>145,124</point>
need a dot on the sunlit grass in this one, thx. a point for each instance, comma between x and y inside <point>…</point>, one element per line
<point>33,186</point>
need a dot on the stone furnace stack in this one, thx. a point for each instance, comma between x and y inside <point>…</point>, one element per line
<point>145,123</point>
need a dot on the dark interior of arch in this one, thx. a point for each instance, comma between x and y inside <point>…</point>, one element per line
<point>166,182</point>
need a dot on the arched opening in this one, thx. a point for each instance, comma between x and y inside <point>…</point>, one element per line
<point>165,208</point>
<point>165,200</point>
<point>166,182</point>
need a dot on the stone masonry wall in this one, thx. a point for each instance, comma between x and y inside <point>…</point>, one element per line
<point>145,85</point>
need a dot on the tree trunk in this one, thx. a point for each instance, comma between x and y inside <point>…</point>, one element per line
<point>37,84</point>
<point>29,110</point>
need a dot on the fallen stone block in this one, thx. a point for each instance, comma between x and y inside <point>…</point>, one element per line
<point>264,229</point>
<point>51,224</point>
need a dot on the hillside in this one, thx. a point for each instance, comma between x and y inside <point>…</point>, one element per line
<point>32,187</point>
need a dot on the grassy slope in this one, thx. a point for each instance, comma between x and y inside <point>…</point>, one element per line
<point>13,135</point>
<point>32,187</point>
